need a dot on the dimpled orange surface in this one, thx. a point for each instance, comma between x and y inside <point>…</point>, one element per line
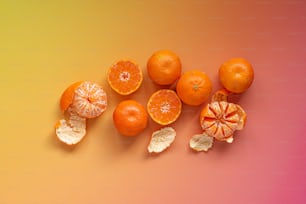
<point>45,46</point>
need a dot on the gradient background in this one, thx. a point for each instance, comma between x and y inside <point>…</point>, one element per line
<point>47,45</point>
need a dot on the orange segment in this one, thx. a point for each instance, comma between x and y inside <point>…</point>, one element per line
<point>125,77</point>
<point>68,94</point>
<point>90,100</point>
<point>164,106</point>
<point>221,119</point>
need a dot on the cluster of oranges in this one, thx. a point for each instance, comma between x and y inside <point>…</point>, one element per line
<point>219,119</point>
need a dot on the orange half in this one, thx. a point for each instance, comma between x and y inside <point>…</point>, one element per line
<point>125,77</point>
<point>164,106</point>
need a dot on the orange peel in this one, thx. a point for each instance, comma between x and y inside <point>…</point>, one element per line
<point>201,142</point>
<point>161,139</point>
<point>71,131</point>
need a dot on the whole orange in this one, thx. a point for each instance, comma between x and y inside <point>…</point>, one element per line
<point>164,67</point>
<point>130,118</point>
<point>194,87</point>
<point>236,75</point>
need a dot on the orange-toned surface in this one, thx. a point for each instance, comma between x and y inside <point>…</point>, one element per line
<point>47,45</point>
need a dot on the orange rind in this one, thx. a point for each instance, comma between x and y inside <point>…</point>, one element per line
<point>201,142</point>
<point>71,131</point>
<point>161,139</point>
<point>68,95</point>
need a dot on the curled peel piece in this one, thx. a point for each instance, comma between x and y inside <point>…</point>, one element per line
<point>201,142</point>
<point>71,131</point>
<point>161,139</point>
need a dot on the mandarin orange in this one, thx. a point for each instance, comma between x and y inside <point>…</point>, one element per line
<point>164,67</point>
<point>236,75</point>
<point>130,118</point>
<point>194,87</point>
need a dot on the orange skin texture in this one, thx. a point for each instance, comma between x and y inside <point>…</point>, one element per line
<point>68,94</point>
<point>130,118</point>
<point>194,87</point>
<point>236,75</point>
<point>164,67</point>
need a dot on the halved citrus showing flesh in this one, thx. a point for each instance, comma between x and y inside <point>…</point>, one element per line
<point>125,77</point>
<point>194,87</point>
<point>130,118</point>
<point>221,119</point>
<point>236,75</point>
<point>164,67</point>
<point>164,106</point>
<point>90,100</point>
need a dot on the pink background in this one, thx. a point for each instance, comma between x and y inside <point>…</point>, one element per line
<point>44,47</point>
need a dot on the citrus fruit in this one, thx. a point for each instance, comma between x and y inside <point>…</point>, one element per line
<point>220,95</point>
<point>68,95</point>
<point>221,119</point>
<point>164,106</point>
<point>161,139</point>
<point>194,87</point>
<point>164,67</point>
<point>236,75</point>
<point>86,98</point>
<point>130,118</point>
<point>124,77</point>
<point>89,100</point>
<point>71,131</point>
